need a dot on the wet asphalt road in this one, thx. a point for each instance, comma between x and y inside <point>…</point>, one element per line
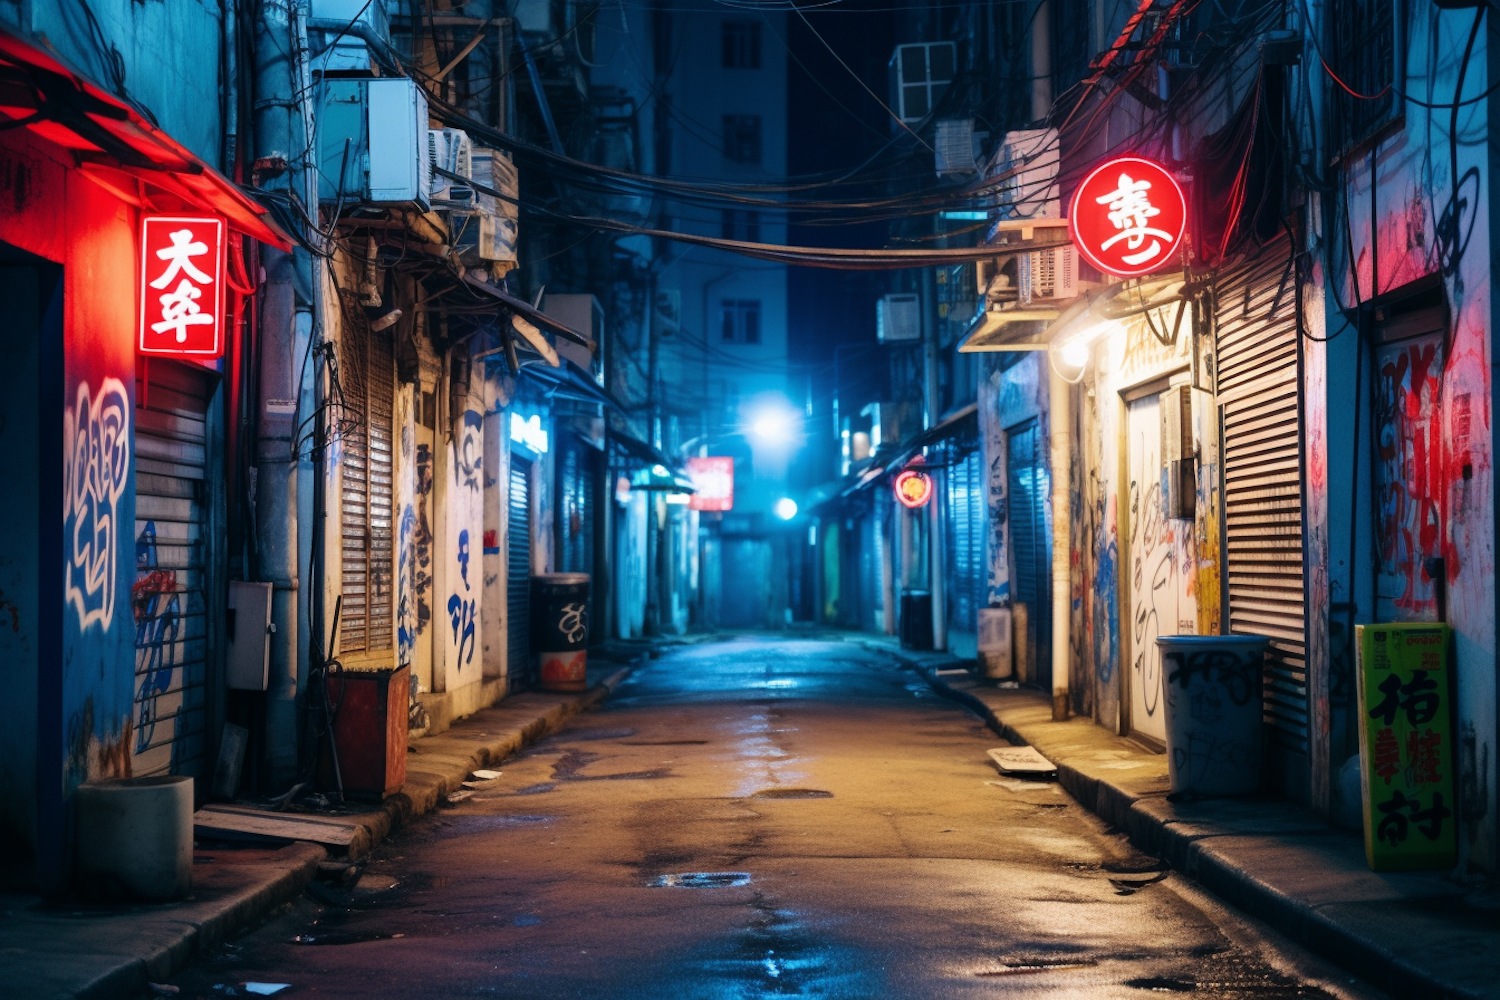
<point>867,849</point>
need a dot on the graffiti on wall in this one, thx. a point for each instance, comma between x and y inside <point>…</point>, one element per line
<point>97,434</point>
<point>468,451</point>
<point>462,608</point>
<point>406,618</point>
<point>157,607</point>
<point>1410,478</point>
<point>421,540</point>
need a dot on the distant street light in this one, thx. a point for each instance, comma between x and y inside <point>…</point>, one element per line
<point>786,508</point>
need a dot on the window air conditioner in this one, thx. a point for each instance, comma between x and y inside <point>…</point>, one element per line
<point>1047,274</point>
<point>485,231</point>
<point>450,149</point>
<point>898,317</point>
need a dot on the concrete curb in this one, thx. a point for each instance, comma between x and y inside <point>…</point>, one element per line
<point>1337,914</point>
<point>57,956</point>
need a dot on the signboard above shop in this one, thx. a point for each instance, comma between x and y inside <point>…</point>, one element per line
<point>713,478</point>
<point>913,488</point>
<point>182,286</point>
<point>1128,217</point>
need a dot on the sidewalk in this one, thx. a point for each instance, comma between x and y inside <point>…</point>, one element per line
<point>1410,934</point>
<point>56,949</point>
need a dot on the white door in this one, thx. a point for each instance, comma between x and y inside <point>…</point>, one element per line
<point>1161,601</point>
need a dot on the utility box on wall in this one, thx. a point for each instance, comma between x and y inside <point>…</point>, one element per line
<point>248,663</point>
<point>1179,456</point>
<point>373,142</point>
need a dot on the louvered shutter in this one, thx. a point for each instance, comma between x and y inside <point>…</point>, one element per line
<point>965,541</point>
<point>169,597</point>
<point>1260,408</point>
<point>367,374</point>
<point>518,574</point>
<point>1028,487</point>
<point>576,513</point>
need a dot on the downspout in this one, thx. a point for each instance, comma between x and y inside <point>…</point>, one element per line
<point>277,142</point>
<point>937,584</point>
<point>1059,414</point>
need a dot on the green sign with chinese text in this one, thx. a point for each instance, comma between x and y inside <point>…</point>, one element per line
<point>1406,746</point>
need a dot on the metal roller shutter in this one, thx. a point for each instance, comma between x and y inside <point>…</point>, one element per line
<point>575,524</point>
<point>169,596</point>
<point>965,543</point>
<point>1260,412</point>
<point>1029,485</point>
<point>518,575</point>
<point>368,376</point>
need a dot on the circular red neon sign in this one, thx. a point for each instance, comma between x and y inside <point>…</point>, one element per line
<point>913,488</point>
<point>1128,216</point>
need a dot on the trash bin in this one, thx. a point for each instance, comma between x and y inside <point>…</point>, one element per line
<point>916,620</point>
<point>560,628</point>
<point>135,838</point>
<point>1212,687</point>
<point>369,731</point>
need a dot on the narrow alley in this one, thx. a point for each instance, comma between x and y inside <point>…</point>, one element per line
<point>759,817</point>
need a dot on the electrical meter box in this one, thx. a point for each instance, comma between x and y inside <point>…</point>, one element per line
<point>372,142</point>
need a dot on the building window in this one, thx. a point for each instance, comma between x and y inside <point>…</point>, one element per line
<point>921,75</point>
<point>742,45</point>
<point>741,224</point>
<point>742,138</point>
<point>1362,36</point>
<point>739,321</point>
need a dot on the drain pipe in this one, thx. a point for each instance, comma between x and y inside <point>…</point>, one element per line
<point>1059,415</point>
<point>277,133</point>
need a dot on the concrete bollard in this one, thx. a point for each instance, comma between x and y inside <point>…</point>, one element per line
<point>135,838</point>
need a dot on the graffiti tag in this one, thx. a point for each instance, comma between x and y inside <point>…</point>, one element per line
<point>97,435</point>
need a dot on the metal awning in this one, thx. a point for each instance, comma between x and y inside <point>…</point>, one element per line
<point>1019,329</point>
<point>569,381</point>
<point>530,313</point>
<point>643,452</point>
<point>113,143</point>
<point>958,422</point>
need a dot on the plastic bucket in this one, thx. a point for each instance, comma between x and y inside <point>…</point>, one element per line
<point>1212,687</point>
<point>560,629</point>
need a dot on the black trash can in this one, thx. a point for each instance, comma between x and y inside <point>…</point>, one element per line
<point>916,620</point>
<point>560,628</point>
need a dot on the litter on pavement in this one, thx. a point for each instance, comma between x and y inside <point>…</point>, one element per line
<point>483,775</point>
<point>266,989</point>
<point>1023,760</point>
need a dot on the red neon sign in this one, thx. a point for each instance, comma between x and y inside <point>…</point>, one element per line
<point>713,478</point>
<point>1128,217</point>
<point>913,488</point>
<point>182,286</point>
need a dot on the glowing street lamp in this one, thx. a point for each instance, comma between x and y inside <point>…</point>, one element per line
<point>786,508</point>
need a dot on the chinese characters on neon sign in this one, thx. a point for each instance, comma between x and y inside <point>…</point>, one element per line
<point>182,286</point>
<point>1128,216</point>
<point>913,488</point>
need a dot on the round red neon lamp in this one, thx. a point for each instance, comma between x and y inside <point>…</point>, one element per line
<point>913,488</point>
<point>1128,216</point>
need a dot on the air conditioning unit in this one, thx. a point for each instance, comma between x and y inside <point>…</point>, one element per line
<point>1031,158</point>
<point>898,317</point>
<point>372,142</point>
<point>484,232</point>
<point>953,147</point>
<point>1047,274</point>
<point>450,149</point>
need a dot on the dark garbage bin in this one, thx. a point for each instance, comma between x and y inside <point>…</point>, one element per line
<point>916,619</point>
<point>560,629</point>
<point>1212,686</point>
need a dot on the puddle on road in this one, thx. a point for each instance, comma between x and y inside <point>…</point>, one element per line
<point>1160,984</point>
<point>701,880</point>
<point>792,793</point>
<point>343,937</point>
<point>1028,967</point>
<point>665,743</point>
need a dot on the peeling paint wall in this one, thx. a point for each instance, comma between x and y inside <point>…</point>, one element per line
<point>84,637</point>
<point>458,612</point>
<point>1422,408</point>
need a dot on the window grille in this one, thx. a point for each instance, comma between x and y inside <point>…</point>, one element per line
<point>741,45</point>
<point>742,138</point>
<point>739,321</point>
<point>741,224</point>
<point>922,74</point>
<point>1362,37</point>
